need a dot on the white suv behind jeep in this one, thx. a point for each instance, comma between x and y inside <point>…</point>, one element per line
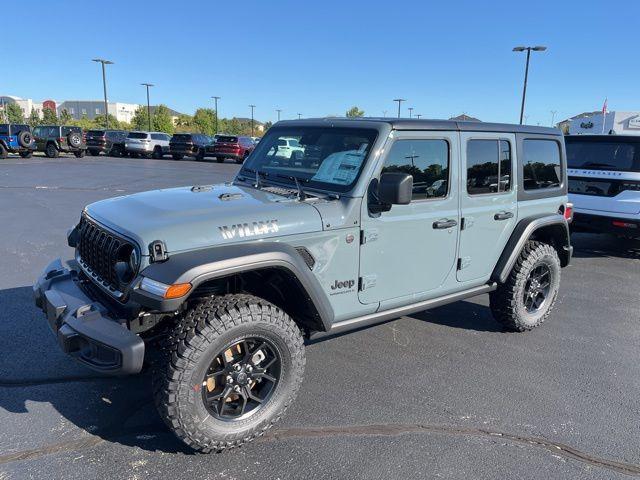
<point>604,183</point>
<point>147,144</point>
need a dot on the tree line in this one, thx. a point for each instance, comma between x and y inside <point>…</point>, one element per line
<point>202,121</point>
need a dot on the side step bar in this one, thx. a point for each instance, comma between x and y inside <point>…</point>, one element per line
<point>388,315</point>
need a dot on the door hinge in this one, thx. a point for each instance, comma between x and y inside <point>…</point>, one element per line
<point>464,262</point>
<point>368,281</point>
<point>368,236</point>
<point>462,222</point>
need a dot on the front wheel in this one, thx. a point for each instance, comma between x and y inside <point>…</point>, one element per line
<point>3,151</point>
<point>51,151</point>
<point>177,156</point>
<point>525,300</point>
<point>79,153</point>
<point>28,154</point>
<point>232,365</point>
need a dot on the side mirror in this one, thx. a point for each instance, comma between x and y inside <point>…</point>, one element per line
<point>393,188</point>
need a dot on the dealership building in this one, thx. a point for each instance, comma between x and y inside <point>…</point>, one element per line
<point>90,109</point>
<point>618,123</point>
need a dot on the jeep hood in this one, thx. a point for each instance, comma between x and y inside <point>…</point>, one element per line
<point>187,218</point>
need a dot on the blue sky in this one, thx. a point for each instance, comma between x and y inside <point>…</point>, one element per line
<point>321,57</point>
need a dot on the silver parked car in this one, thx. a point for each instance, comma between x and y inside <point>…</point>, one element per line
<point>147,144</point>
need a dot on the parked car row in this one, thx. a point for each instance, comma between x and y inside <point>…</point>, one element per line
<point>56,139</point>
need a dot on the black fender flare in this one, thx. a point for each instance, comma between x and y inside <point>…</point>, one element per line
<point>555,227</point>
<point>198,266</point>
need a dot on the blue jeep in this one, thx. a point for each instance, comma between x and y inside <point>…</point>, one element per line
<point>16,139</point>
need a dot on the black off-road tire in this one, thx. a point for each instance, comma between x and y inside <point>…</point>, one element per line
<point>51,151</point>
<point>157,153</point>
<point>206,329</point>
<point>93,152</point>
<point>507,302</point>
<point>3,151</point>
<point>79,153</point>
<point>177,156</point>
<point>28,154</point>
<point>219,159</point>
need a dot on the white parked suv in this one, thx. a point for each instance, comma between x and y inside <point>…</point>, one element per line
<point>604,183</point>
<point>286,147</point>
<point>147,144</point>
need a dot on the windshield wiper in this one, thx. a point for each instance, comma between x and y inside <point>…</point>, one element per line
<point>258,175</point>
<point>301,194</point>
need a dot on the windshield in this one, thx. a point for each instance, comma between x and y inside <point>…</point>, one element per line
<point>95,133</point>
<point>326,158</point>
<point>604,153</point>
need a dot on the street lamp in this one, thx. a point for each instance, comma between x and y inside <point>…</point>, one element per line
<point>299,116</point>
<point>553,117</point>
<point>252,107</point>
<point>410,112</point>
<point>418,115</point>
<point>104,85</point>
<point>215,101</point>
<point>148,104</point>
<point>538,48</point>
<point>279,112</point>
<point>399,100</point>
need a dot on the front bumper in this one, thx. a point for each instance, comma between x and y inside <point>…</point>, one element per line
<point>83,326</point>
<point>583,222</point>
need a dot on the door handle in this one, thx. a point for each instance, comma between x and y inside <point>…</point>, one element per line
<point>503,216</point>
<point>442,224</point>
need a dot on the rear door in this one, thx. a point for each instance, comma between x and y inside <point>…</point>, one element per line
<point>411,249</point>
<point>488,201</point>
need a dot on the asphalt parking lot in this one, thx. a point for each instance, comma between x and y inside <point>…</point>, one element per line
<point>442,394</point>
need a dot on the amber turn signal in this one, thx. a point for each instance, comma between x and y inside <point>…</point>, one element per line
<point>177,290</point>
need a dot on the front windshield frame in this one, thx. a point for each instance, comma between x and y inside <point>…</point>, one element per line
<point>252,164</point>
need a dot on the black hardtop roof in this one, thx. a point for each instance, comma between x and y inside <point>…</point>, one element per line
<point>419,124</point>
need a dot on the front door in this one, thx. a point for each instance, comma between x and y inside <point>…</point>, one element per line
<point>411,249</point>
<point>488,201</point>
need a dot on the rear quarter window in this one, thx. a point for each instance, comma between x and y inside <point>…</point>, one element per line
<point>541,166</point>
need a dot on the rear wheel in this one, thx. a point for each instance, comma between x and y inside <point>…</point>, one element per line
<point>93,152</point>
<point>219,159</point>
<point>177,156</point>
<point>51,151</point>
<point>525,300</point>
<point>28,154</point>
<point>3,151</point>
<point>157,152</point>
<point>244,157</point>
<point>79,153</point>
<point>200,154</point>
<point>232,365</point>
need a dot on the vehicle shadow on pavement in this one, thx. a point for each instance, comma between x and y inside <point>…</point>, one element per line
<point>587,245</point>
<point>464,315</point>
<point>41,388</point>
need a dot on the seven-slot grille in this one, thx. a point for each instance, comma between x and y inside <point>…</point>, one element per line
<point>98,251</point>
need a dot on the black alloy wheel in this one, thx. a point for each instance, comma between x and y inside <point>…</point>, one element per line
<point>241,379</point>
<point>537,288</point>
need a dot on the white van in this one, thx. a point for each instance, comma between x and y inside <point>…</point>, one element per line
<point>604,183</point>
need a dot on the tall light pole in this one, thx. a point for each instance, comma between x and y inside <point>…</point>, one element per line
<point>148,104</point>
<point>538,48</point>
<point>299,116</point>
<point>252,107</point>
<point>418,115</point>
<point>279,112</point>
<point>215,102</point>
<point>399,100</point>
<point>553,117</point>
<point>384,113</point>
<point>104,86</point>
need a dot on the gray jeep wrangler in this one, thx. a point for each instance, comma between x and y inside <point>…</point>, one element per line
<point>364,221</point>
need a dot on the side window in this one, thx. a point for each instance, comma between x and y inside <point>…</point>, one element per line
<point>541,164</point>
<point>488,166</point>
<point>35,131</point>
<point>155,136</point>
<point>427,161</point>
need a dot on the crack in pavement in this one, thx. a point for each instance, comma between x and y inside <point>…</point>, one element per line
<point>284,434</point>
